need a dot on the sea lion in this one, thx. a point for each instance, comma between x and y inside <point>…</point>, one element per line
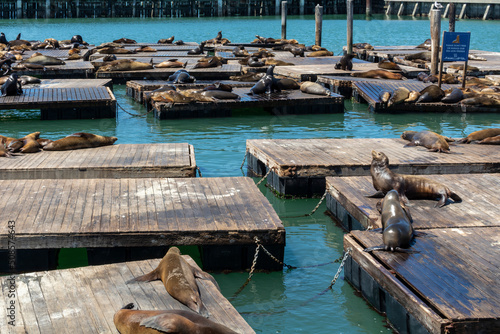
<point>495,140</point>
<point>220,94</point>
<point>345,62</point>
<point>145,48</point>
<point>125,41</point>
<point>407,186</point>
<point>179,279</point>
<point>12,86</point>
<point>219,86</point>
<point>431,140</point>
<point>431,93</point>
<point>277,62</point>
<point>3,40</point>
<point>125,65</point>
<point>213,62</point>
<point>179,42</point>
<point>264,85</point>
<point>129,321</point>
<point>79,140</point>
<point>6,140</point>
<point>460,67</point>
<point>480,135</point>
<point>197,50</point>
<point>425,45</point>
<point>255,62</point>
<point>388,65</point>
<point>43,60</point>
<point>115,50</point>
<point>181,76</point>
<point>398,96</point>
<point>378,74</point>
<point>197,95</point>
<point>321,53</point>
<point>27,79</point>
<point>480,101</point>
<point>147,95</point>
<point>77,39</point>
<point>248,77</point>
<point>297,51</point>
<point>166,40</point>
<point>44,141</point>
<point>286,84</point>
<point>171,63</point>
<point>4,152</point>
<point>30,145</point>
<point>397,229</point>
<point>384,96</point>
<point>366,46</point>
<point>425,56</point>
<point>454,96</point>
<point>239,51</point>
<point>315,88</point>
<point>171,96</point>
<point>413,97</point>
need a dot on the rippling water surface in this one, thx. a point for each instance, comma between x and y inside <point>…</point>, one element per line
<point>278,302</point>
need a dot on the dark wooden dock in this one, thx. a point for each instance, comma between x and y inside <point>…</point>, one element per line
<point>288,102</point>
<point>137,88</point>
<point>449,284</point>
<point>84,300</point>
<point>299,166</point>
<point>71,83</point>
<point>65,103</point>
<point>222,216</point>
<point>369,91</point>
<point>114,161</point>
<point>73,69</point>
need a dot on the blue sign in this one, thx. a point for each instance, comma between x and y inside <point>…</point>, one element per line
<point>455,46</point>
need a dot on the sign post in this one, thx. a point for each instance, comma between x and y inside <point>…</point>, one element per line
<point>455,48</point>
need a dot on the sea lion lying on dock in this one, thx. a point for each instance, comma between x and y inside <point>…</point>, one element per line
<point>428,139</point>
<point>388,65</point>
<point>398,96</point>
<point>181,76</point>
<point>129,321</point>
<point>79,140</point>
<point>378,74</point>
<point>321,53</point>
<point>480,135</point>
<point>43,60</point>
<point>171,63</point>
<point>315,88</point>
<point>407,186</point>
<point>166,40</point>
<point>397,228</point>
<point>431,93</point>
<point>125,65</point>
<point>490,141</point>
<point>125,41</point>
<point>179,279</point>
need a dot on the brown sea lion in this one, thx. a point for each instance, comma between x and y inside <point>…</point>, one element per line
<point>384,96</point>
<point>313,88</point>
<point>345,63</point>
<point>425,56</point>
<point>166,40</point>
<point>171,63</point>
<point>220,94</point>
<point>171,96</point>
<point>79,140</point>
<point>321,53</point>
<point>413,97</point>
<point>286,84</point>
<point>454,96</point>
<point>388,65</point>
<point>4,152</point>
<point>247,77</point>
<point>480,135</point>
<point>490,141</point>
<point>115,50</point>
<point>44,141</point>
<point>145,48</point>
<point>398,96</point>
<point>125,41</point>
<point>397,229</point>
<point>129,321</point>
<point>428,139</point>
<point>179,279</point>
<point>366,46</point>
<point>432,93</point>
<point>6,140</point>
<point>197,95</point>
<point>30,145</point>
<point>481,101</point>
<point>125,65</point>
<point>378,74</point>
<point>407,186</point>
<point>43,60</point>
<point>460,67</point>
<point>277,62</point>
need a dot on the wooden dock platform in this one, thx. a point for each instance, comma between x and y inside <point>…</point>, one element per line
<point>222,216</point>
<point>73,69</point>
<point>288,102</point>
<point>71,83</point>
<point>84,300</point>
<point>448,284</point>
<point>137,88</point>
<point>113,161</point>
<point>299,166</point>
<point>65,103</point>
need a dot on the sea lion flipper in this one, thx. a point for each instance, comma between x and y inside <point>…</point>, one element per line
<point>378,194</point>
<point>165,323</point>
<point>374,248</point>
<point>380,230</point>
<point>152,276</point>
<point>204,275</point>
<point>403,250</point>
<point>455,197</point>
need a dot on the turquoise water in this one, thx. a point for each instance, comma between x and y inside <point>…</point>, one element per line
<point>278,302</point>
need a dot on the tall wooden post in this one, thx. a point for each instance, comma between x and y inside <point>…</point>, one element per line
<point>302,4</point>
<point>451,18</point>
<point>19,9</point>
<point>276,7</point>
<point>435,32</point>
<point>350,17</point>
<point>283,19</point>
<point>318,11</point>
<point>48,10</point>
<point>368,7</point>
<point>134,4</point>
<point>219,7</point>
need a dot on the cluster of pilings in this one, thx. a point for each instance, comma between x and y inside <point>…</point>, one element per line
<point>11,9</point>
<point>485,9</point>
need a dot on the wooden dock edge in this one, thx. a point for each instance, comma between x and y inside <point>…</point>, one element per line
<point>403,308</point>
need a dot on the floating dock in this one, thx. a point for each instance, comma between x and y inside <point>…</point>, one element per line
<point>113,161</point>
<point>65,103</point>
<point>222,216</point>
<point>137,88</point>
<point>73,69</point>
<point>71,83</point>
<point>446,286</point>
<point>289,102</point>
<point>84,300</point>
<point>299,166</point>
<point>369,91</point>
<point>343,84</point>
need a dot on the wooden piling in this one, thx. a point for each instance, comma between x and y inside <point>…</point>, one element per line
<point>435,32</point>
<point>319,23</point>
<point>451,17</point>
<point>368,8</point>
<point>350,16</point>
<point>283,19</point>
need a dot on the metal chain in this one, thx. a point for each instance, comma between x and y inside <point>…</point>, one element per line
<point>199,171</point>
<point>340,268</point>
<point>257,241</point>
<point>133,115</point>
<point>320,201</point>
<point>265,176</point>
<point>244,158</point>
<point>252,270</point>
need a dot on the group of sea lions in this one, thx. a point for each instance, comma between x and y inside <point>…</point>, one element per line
<point>397,188</point>
<point>179,279</point>
<point>32,143</point>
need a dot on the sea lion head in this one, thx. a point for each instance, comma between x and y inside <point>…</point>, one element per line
<point>379,158</point>
<point>408,135</point>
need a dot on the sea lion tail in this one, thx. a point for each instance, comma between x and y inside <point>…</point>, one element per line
<point>455,197</point>
<point>152,276</point>
<point>129,306</point>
